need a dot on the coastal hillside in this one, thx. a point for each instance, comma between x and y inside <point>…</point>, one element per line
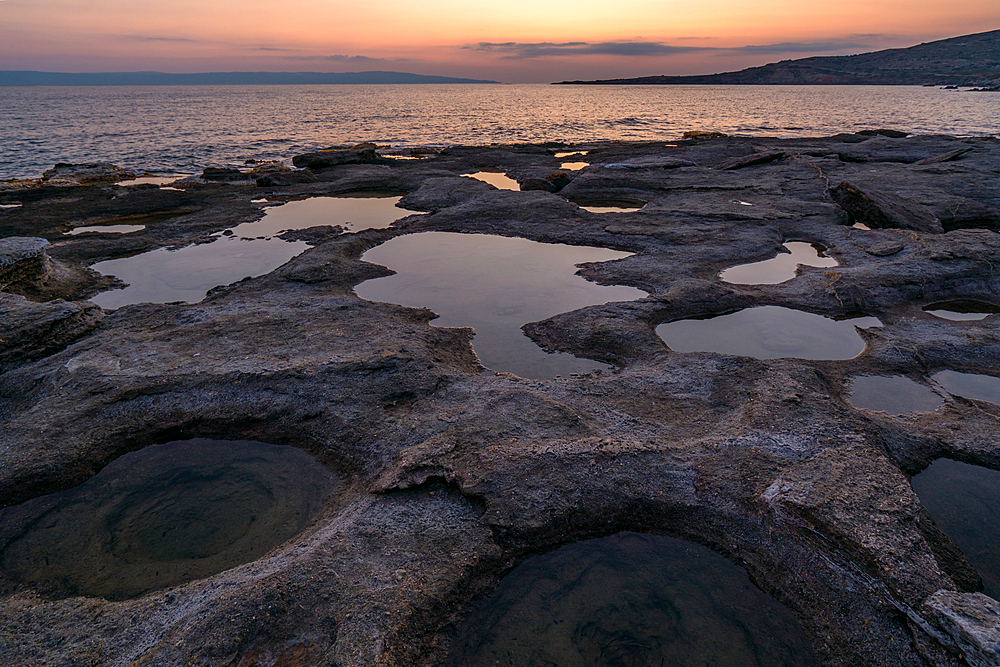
<point>970,60</point>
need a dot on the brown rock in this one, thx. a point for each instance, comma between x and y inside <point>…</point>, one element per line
<point>331,157</point>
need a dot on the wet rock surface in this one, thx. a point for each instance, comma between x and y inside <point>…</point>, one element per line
<point>453,477</point>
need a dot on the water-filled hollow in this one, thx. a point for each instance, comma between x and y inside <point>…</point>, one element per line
<point>780,268</point>
<point>769,332</point>
<point>961,309</point>
<point>631,599</point>
<point>494,284</point>
<point>962,500</point>
<point>162,516</point>
<point>497,179</point>
<point>970,385</point>
<point>896,395</point>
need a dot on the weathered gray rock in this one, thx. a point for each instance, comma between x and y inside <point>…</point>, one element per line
<point>331,157</point>
<point>947,156</point>
<point>22,261</point>
<point>973,621</point>
<point>31,331</point>
<point>879,209</point>
<point>751,160</point>
<point>884,249</point>
<point>91,173</point>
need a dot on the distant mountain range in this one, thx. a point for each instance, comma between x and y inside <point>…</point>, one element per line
<point>216,78</point>
<point>971,60</point>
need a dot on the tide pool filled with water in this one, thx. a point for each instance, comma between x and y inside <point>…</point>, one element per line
<point>182,129</point>
<point>893,395</point>
<point>780,268</point>
<point>962,500</point>
<point>494,284</point>
<point>631,600</point>
<point>499,180</point>
<point>961,310</point>
<point>248,250</point>
<point>769,332</point>
<point>162,516</point>
<point>970,385</point>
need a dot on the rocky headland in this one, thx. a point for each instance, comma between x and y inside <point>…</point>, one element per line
<point>969,60</point>
<point>450,476</point>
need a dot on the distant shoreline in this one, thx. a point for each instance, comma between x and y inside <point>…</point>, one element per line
<point>33,78</point>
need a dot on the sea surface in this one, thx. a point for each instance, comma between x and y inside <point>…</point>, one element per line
<point>167,129</point>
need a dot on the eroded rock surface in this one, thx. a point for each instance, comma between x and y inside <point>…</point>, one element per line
<point>452,475</point>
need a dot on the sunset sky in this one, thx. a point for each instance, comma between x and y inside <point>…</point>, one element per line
<point>514,41</point>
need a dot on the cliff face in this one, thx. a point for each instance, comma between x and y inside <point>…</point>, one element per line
<point>970,60</point>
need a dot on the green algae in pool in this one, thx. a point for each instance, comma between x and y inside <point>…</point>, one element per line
<point>970,385</point>
<point>163,516</point>
<point>495,285</point>
<point>631,600</point>
<point>895,395</point>
<point>962,500</point>
<point>248,250</point>
<point>769,332</point>
<point>497,179</point>
<point>780,268</point>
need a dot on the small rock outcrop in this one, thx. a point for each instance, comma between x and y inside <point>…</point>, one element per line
<point>91,173</point>
<point>331,157</point>
<point>879,209</point>
<point>22,260</point>
<point>973,621</point>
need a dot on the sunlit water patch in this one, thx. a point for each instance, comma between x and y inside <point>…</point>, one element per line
<point>961,310</point>
<point>353,211</point>
<point>631,600</point>
<point>186,274</point>
<point>247,250</point>
<point>769,332</point>
<point>970,385</point>
<point>7,206</point>
<point>780,268</point>
<point>571,154</point>
<point>962,500</point>
<point>498,180</point>
<point>107,229</point>
<point>609,205</point>
<point>153,180</point>
<point>573,166</point>
<point>494,284</point>
<point>162,516</point>
<point>895,395</point>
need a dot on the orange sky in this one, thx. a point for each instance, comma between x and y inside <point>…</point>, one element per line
<point>514,41</point>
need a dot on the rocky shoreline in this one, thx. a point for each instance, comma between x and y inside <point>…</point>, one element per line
<point>452,476</point>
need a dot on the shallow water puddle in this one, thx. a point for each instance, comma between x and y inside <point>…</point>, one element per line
<point>893,395</point>
<point>250,249</point>
<point>609,205</point>
<point>571,154</point>
<point>107,229</point>
<point>778,269</point>
<point>769,332</point>
<point>499,180</point>
<point>494,284</point>
<point>970,385</point>
<point>5,206</point>
<point>153,180</point>
<point>961,310</point>
<point>962,500</point>
<point>353,211</point>
<point>573,166</point>
<point>631,599</point>
<point>162,516</point>
<point>186,274</point>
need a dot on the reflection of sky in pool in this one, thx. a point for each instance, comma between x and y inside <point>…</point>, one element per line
<point>571,154</point>
<point>152,180</point>
<point>962,500</point>
<point>162,516</point>
<point>494,284</point>
<point>106,229</point>
<point>777,269</point>
<point>970,385</point>
<point>961,310</point>
<point>497,180</point>
<point>769,332</point>
<point>894,395</point>
<point>631,600</point>
<point>186,274</point>
<point>573,166</point>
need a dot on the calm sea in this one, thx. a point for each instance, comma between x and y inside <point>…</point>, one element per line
<point>185,128</point>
